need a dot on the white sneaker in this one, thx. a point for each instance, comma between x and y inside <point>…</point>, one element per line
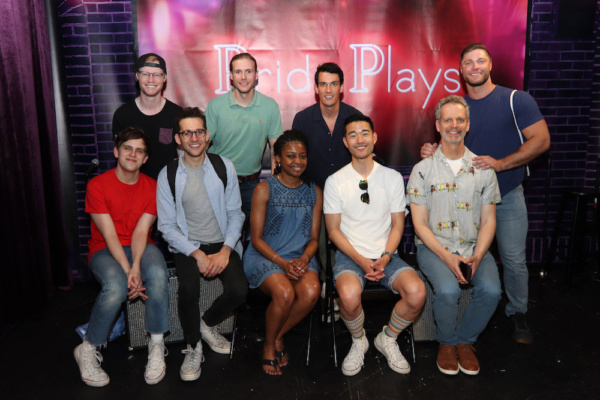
<point>214,339</point>
<point>356,356</point>
<point>389,348</point>
<point>88,359</point>
<point>190,369</point>
<point>156,367</point>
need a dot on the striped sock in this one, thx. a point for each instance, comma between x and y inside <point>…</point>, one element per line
<point>356,326</point>
<point>396,325</point>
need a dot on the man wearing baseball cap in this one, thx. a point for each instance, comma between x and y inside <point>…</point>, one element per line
<point>151,112</point>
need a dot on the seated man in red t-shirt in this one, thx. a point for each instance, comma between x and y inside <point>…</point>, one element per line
<point>123,258</point>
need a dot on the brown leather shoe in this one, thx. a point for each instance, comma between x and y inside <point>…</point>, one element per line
<point>467,362</point>
<point>446,359</point>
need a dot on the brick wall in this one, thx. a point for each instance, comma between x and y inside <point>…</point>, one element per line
<point>561,75</point>
<point>98,41</point>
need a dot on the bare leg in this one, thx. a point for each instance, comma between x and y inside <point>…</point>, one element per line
<point>307,291</point>
<point>412,290</point>
<point>282,293</point>
<point>350,290</point>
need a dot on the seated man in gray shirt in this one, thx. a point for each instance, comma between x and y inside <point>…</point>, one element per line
<point>454,214</point>
<point>201,219</point>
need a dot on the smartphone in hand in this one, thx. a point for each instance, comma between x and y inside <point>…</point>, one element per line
<point>465,270</point>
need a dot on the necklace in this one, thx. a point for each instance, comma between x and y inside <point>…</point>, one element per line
<point>291,187</point>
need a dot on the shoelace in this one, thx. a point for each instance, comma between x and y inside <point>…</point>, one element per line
<point>217,337</point>
<point>392,353</point>
<point>155,355</point>
<point>96,359</point>
<point>396,356</point>
<point>193,353</point>
<point>356,352</point>
<point>90,361</point>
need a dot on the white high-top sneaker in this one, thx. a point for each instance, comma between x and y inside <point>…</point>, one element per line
<point>190,369</point>
<point>156,367</point>
<point>88,359</point>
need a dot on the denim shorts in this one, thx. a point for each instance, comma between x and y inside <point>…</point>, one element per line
<point>344,264</point>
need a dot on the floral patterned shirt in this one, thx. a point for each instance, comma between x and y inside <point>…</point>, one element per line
<point>453,201</point>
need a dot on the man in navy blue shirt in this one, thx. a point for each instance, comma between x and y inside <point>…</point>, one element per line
<point>322,123</point>
<point>494,137</point>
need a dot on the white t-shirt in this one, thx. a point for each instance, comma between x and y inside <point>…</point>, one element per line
<point>366,226</point>
<point>455,165</point>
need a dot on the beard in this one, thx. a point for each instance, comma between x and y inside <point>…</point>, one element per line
<point>484,78</point>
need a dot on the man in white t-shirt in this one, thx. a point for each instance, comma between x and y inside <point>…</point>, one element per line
<point>364,209</point>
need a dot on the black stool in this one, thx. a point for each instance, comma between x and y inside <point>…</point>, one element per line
<point>579,226</point>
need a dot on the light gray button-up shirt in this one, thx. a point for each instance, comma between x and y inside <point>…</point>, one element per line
<point>453,202</point>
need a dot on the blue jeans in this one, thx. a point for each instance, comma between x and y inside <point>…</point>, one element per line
<point>511,236</point>
<point>114,290</point>
<point>446,292</point>
<point>246,191</point>
<point>344,264</point>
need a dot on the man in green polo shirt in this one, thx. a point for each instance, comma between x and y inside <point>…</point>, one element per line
<point>240,122</point>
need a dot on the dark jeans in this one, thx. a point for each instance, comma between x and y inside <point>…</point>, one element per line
<point>246,191</point>
<point>235,288</point>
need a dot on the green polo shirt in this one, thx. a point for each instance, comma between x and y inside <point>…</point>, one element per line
<point>240,133</point>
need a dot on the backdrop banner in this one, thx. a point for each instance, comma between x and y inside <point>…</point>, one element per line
<point>399,57</point>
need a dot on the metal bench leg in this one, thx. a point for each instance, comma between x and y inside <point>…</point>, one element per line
<point>310,323</point>
<point>412,343</point>
<point>235,314</point>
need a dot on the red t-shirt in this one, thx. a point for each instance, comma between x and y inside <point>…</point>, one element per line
<point>106,194</point>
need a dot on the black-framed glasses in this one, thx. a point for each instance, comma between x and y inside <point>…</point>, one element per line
<point>363,185</point>
<point>200,133</point>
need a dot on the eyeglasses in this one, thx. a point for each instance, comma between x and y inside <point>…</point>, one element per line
<point>363,185</point>
<point>156,75</point>
<point>200,134</point>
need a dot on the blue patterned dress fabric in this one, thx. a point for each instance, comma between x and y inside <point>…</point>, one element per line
<point>288,222</point>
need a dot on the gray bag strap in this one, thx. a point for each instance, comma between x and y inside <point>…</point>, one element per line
<point>512,108</point>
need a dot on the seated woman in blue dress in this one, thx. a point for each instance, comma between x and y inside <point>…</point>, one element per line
<point>285,222</point>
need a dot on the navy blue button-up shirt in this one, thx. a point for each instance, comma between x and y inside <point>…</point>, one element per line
<point>326,152</point>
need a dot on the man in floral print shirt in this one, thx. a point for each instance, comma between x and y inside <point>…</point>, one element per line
<point>454,215</point>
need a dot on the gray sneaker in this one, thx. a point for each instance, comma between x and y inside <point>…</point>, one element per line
<point>389,348</point>
<point>214,339</point>
<point>190,369</point>
<point>356,356</point>
<point>156,367</point>
<point>88,359</point>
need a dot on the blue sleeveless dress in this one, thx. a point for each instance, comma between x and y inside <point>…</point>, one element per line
<point>288,222</point>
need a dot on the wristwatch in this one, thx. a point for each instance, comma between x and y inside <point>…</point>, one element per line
<point>387,253</point>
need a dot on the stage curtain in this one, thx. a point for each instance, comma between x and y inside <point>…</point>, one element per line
<point>34,258</point>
